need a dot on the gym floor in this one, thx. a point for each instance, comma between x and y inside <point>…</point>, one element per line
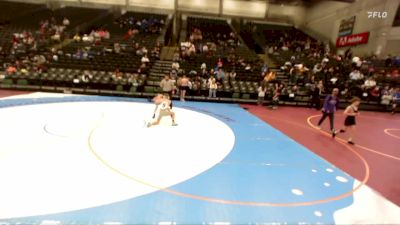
<point>70,159</point>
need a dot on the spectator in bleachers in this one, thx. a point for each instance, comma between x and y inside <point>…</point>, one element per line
<point>55,57</point>
<point>317,68</point>
<point>77,37</point>
<point>285,47</point>
<point>117,75</point>
<point>87,38</point>
<point>66,22</point>
<point>197,82</point>
<point>388,61</point>
<point>144,50</point>
<point>167,85</point>
<point>212,87</point>
<point>248,67</point>
<point>372,94</point>
<point>155,53</point>
<point>142,69</point>
<point>276,96</point>
<point>232,75</point>
<point>175,66</point>
<point>203,66</point>
<point>106,34</point>
<point>134,80</point>
<point>348,54</point>
<point>138,49</point>
<point>369,83</point>
<point>86,77</point>
<point>176,57</point>
<point>356,75</point>
<point>117,48</point>
<point>396,61</point>
<point>396,100</point>
<point>261,94</point>
<point>220,64</point>
<point>295,74</point>
<point>205,49</point>
<point>316,91</point>
<point>145,59</point>
<point>191,50</point>
<point>220,75</point>
<point>386,96</point>
<point>264,68</point>
<point>11,70</point>
<point>271,50</point>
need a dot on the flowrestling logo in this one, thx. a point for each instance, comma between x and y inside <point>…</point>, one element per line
<point>351,40</point>
<point>378,15</point>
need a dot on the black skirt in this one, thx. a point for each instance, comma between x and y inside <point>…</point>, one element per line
<point>350,121</point>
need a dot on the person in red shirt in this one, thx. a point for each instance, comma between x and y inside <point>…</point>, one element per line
<point>220,63</point>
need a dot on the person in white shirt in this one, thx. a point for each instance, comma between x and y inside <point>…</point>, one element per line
<point>66,21</point>
<point>203,66</point>
<point>356,75</point>
<point>359,63</point>
<point>205,48</point>
<point>261,94</point>
<point>175,66</point>
<point>163,109</point>
<point>232,75</point>
<point>317,68</point>
<point>369,83</point>
<point>167,85</point>
<point>212,87</point>
<point>145,59</point>
<point>85,38</point>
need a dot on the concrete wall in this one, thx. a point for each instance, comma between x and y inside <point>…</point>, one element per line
<point>244,8</point>
<point>203,6</point>
<point>257,9</point>
<point>324,20</point>
<point>159,4</point>
<point>293,14</point>
<point>113,2</point>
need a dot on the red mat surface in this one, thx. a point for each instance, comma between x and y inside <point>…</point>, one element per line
<point>7,93</point>
<point>377,141</point>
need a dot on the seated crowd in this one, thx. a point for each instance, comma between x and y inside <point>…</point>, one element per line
<point>88,58</point>
<point>120,52</point>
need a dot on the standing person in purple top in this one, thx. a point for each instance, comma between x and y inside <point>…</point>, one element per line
<point>331,102</point>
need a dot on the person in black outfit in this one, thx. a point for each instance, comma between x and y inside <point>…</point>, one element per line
<point>315,93</point>
<point>350,121</point>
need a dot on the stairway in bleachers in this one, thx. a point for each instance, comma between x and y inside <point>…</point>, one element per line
<point>156,74</point>
<point>167,53</point>
<point>266,59</point>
